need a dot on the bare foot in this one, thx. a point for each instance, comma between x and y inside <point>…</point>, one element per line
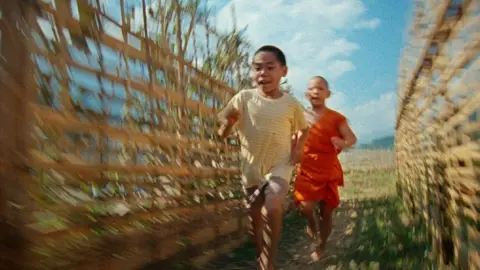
<point>309,232</point>
<point>319,250</point>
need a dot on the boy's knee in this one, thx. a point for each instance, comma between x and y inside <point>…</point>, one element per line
<point>273,204</point>
<point>306,208</point>
<point>275,195</point>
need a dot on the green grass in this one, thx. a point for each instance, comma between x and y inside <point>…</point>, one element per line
<point>378,238</point>
<point>370,232</point>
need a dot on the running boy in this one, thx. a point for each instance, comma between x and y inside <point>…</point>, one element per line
<point>320,172</point>
<point>266,118</point>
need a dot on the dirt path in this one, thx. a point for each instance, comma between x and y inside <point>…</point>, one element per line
<point>367,234</point>
<point>300,252</point>
<point>341,239</point>
<point>295,246</point>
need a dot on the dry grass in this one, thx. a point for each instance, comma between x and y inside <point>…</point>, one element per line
<point>367,160</point>
<point>362,185</point>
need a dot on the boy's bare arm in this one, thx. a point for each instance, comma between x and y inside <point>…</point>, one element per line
<point>225,130</point>
<point>301,138</point>
<point>297,153</point>
<point>232,117</point>
<point>349,137</point>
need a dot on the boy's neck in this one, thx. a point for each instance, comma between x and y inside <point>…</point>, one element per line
<point>319,109</point>
<point>272,94</point>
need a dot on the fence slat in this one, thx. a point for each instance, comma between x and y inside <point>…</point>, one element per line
<point>102,164</point>
<point>438,131</point>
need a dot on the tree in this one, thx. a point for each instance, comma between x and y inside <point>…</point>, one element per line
<point>230,62</point>
<point>225,55</point>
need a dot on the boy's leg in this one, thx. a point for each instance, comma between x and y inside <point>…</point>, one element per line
<point>307,210</point>
<point>257,222</point>
<point>326,224</point>
<point>275,193</point>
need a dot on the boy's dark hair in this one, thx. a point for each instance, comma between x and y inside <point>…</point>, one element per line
<point>272,49</point>
<point>323,79</point>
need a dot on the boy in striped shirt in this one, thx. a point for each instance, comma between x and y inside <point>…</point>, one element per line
<point>266,118</point>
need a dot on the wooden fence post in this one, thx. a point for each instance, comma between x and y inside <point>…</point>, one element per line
<point>16,89</point>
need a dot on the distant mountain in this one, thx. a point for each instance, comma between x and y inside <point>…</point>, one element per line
<point>386,142</point>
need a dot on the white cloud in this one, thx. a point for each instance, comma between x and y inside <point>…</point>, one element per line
<point>337,47</point>
<point>312,33</point>
<point>308,31</point>
<point>337,101</point>
<point>368,24</point>
<point>369,120</point>
<point>339,67</point>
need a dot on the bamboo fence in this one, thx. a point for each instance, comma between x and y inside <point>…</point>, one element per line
<point>109,156</point>
<point>438,128</point>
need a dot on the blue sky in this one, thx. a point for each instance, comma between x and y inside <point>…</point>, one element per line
<point>355,44</point>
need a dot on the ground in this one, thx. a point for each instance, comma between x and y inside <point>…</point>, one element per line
<point>370,232</point>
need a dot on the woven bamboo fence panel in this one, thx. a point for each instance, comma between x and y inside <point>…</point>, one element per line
<point>438,127</point>
<point>109,156</point>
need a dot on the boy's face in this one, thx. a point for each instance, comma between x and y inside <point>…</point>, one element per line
<point>267,71</point>
<point>317,92</point>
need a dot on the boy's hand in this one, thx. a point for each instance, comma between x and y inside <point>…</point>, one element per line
<point>297,155</point>
<point>224,131</point>
<point>232,116</point>
<point>298,141</point>
<point>337,142</point>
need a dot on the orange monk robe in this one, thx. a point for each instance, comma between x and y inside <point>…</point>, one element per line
<point>320,172</point>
